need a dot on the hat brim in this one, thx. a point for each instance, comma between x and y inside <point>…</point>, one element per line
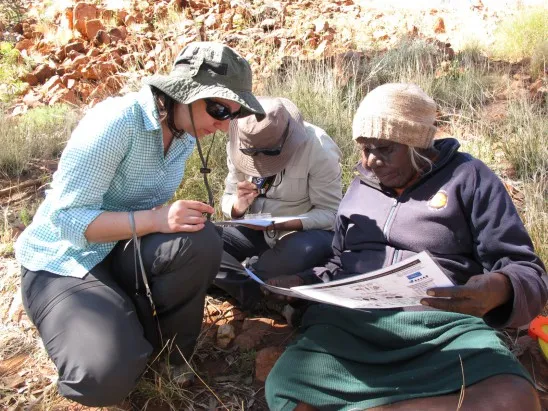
<point>185,90</point>
<point>262,165</point>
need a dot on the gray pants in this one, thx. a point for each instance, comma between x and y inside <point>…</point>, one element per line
<point>89,325</point>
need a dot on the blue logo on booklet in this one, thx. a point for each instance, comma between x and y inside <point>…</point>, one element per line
<point>414,275</point>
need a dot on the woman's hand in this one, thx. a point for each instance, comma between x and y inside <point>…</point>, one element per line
<point>283,281</point>
<point>477,297</point>
<point>246,194</point>
<point>182,215</point>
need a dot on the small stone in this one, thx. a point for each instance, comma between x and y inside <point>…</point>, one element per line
<point>265,360</point>
<point>439,26</point>
<point>225,335</point>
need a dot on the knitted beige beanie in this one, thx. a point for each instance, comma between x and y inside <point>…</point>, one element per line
<point>398,112</point>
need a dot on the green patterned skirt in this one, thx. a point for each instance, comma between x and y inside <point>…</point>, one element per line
<point>346,359</point>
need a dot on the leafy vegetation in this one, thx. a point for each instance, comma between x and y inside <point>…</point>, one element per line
<point>10,69</point>
<point>12,10</point>
<point>519,36</point>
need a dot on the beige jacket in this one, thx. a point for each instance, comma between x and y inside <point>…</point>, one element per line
<point>309,186</point>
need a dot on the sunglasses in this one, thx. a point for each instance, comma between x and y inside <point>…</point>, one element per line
<point>267,151</point>
<point>219,111</point>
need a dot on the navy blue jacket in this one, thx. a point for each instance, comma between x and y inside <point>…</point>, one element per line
<point>459,211</point>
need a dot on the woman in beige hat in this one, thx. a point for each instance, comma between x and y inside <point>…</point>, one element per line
<point>282,166</point>
<point>102,303</point>
<point>412,194</point>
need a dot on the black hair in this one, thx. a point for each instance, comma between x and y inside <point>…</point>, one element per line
<point>166,109</point>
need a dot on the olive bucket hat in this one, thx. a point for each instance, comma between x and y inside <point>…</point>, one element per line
<point>209,70</point>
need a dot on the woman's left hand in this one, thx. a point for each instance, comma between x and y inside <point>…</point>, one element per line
<point>477,297</point>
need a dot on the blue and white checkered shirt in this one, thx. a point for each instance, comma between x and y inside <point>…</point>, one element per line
<point>114,161</point>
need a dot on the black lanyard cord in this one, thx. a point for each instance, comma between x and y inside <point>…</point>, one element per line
<point>204,169</point>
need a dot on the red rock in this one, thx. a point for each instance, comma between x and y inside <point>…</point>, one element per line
<point>29,78</point>
<point>93,52</point>
<point>43,72</point>
<point>51,83</point>
<point>129,20</point>
<point>439,26</point>
<point>24,44</point>
<point>117,34</point>
<point>17,28</point>
<point>74,46</point>
<point>121,16</point>
<point>64,96</point>
<point>92,27</point>
<point>139,18</point>
<point>265,360</point>
<point>66,19</point>
<point>83,12</point>
<point>98,70</point>
<point>72,75</point>
<point>108,14</point>
<point>78,61</point>
<point>102,37</point>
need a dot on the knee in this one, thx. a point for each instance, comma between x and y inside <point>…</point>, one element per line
<point>509,392</point>
<point>202,247</point>
<point>102,378</point>
<point>208,243</point>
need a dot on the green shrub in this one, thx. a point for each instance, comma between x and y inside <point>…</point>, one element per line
<point>12,11</point>
<point>10,70</point>
<point>518,36</point>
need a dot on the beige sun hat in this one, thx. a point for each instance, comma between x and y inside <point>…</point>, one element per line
<point>282,127</point>
<point>398,112</point>
<point>208,70</point>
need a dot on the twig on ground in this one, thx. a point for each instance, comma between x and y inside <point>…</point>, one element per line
<point>18,187</point>
<point>463,386</point>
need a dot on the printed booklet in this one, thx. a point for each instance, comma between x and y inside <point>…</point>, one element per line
<point>400,285</point>
<point>260,222</point>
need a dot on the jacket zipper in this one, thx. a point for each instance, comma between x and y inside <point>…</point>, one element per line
<point>389,219</point>
<point>395,257</point>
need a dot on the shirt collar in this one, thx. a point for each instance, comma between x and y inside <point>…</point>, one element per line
<point>146,101</point>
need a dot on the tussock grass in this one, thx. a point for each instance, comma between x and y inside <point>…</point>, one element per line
<point>518,36</point>
<point>41,132</point>
<point>324,100</point>
<point>535,216</point>
<point>454,84</point>
<point>524,136</point>
<point>539,59</point>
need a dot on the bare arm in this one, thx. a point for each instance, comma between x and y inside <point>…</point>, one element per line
<point>182,215</point>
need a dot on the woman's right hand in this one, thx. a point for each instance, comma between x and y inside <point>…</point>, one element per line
<point>182,215</point>
<point>246,194</point>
